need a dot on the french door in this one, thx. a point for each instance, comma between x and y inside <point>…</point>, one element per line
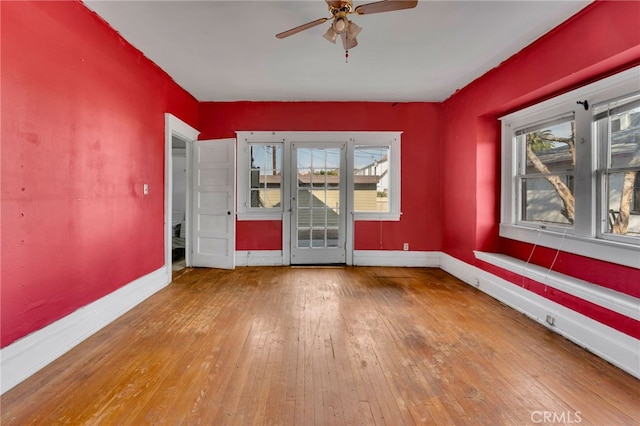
<point>318,201</point>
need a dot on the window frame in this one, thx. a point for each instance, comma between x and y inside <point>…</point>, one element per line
<point>604,170</point>
<point>251,189</point>
<point>243,208</point>
<point>387,149</point>
<point>383,139</point>
<point>635,204</point>
<point>522,173</point>
<point>585,237</point>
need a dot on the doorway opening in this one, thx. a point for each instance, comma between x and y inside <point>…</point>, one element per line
<point>178,135</point>
<point>179,203</point>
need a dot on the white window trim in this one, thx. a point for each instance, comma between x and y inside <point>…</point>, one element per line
<point>391,140</point>
<point>583,238</point>
<point>243,145</point>
<point>351,139</point>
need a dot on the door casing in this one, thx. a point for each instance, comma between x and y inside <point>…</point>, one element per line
<point>316,255</point>
<point>174,127</point>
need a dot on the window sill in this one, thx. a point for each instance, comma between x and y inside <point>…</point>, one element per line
<point>610,299</point>
<point>372,216</point>
<point>605,250</point>
<point>260,216</point>
<point>356,216</point>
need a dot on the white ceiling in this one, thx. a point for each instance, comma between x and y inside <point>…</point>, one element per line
<point>227,50</point>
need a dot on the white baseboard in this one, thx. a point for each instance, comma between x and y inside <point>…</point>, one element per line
<point>612,345</point>
<point>396,258</point>
<point>259,258</point>
<point>615,301</point>
<point>360,258</point>
<point>31,353</point>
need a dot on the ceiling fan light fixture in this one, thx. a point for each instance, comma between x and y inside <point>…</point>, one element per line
<point>353,29</point>
<point>331,35</point>
<point>339,25</point>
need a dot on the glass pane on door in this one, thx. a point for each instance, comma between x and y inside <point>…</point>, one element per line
<point>317,198</point>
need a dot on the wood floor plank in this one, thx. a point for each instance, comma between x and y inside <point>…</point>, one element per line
<point>324,346</point>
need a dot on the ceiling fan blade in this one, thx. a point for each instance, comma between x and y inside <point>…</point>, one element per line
<point>385,6</point>
<point>303,27</point>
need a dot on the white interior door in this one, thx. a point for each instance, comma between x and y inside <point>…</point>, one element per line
<point>213,203</point>
<point>318,202</point>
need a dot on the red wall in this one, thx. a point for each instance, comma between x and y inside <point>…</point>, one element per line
<point>602,39</point>
<point>82,130</point>
<point>420,224</point>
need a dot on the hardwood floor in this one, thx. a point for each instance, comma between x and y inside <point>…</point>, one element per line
<point>324,346</point>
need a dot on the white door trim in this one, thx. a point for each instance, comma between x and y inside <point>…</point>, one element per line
<point>286,205</point>
<point>174,127</point>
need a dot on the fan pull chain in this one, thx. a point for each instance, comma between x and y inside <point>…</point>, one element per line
<point>346,56</point>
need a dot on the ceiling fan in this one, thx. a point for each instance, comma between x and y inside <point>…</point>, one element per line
<point>342,26</point>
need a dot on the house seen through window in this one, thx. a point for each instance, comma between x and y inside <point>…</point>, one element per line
<point>371,179</point>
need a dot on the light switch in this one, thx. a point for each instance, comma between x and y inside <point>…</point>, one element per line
<point>145,189</point>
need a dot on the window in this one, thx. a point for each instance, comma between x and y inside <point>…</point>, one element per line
<point>570,168</point>
<point>259,179</point>
<point>617,133</point>
<point>371,178</point>
<point>263,172</point>
<point>375,161</point>
<point>266,176</point>
<point>546,165</point>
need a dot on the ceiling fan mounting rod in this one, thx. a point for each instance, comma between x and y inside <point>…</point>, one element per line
<point>342,10</point>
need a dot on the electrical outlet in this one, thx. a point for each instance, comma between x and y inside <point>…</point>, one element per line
<point>145,189</point>
<point>405,247</point>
